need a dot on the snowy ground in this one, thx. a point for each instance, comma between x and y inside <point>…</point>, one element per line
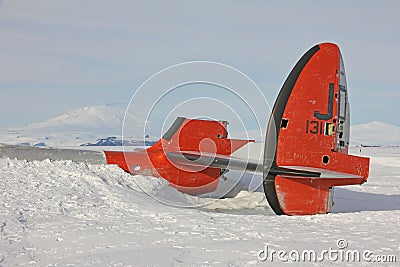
<point>74,214</point>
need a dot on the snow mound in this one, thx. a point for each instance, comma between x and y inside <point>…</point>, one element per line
<point>243,202</point>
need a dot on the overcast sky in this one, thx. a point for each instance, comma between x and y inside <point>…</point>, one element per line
<point>56,56</point>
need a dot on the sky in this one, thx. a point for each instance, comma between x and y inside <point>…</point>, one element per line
<point>56,56</point>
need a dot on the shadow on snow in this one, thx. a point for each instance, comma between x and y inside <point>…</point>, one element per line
<point>352,201</point>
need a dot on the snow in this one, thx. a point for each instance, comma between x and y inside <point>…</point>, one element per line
<point>62,213</point>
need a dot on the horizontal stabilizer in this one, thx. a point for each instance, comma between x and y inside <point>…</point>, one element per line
<point>190,158</point>
<point>194,158</point>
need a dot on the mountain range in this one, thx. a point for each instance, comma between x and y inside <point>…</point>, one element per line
<point>93,125</point>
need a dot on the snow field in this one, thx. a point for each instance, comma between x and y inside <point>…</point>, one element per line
<point>64,213</point>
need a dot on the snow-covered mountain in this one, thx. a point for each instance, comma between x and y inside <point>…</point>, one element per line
<point>88,124</point>
<point>375,134</point>
<point>79,126</point>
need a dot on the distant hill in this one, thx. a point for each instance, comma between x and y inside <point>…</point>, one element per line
<point>369,134</point>
<point>76,127</point>
<point>375,134</point>
<point>115,141</point>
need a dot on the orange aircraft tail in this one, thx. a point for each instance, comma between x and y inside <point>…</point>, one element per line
<point>310,126</point>
<point>306,147</point>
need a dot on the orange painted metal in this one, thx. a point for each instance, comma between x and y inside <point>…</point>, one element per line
<point>304,142</point>
<point>309,141</point>
<point>192,135</point>
<point>307,196</point>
